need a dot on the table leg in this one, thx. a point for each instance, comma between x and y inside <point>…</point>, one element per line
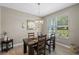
<point>7,47</point>
<point>25,48</point>
<point>2,47</point>
<point>12,44</point>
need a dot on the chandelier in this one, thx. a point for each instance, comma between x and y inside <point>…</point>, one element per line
<point>39,21</point>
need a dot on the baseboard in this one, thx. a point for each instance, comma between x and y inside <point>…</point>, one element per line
<point>63,45</point>
<point>18,44</point>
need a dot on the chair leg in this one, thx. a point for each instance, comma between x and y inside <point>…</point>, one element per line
<point>49,49</point>
<point>31,50</point>
<point>44,51</point>
<point>53,46</point>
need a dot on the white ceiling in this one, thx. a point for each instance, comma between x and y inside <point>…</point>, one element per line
<point>33,8</point>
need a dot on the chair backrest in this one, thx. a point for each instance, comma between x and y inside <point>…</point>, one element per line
<point>41,44</point>
<point>52,36</point>
<point>31,35</point>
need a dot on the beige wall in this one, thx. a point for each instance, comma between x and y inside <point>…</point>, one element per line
<point>73,18</point>
<point>0,20</point>
<point>12,23</point>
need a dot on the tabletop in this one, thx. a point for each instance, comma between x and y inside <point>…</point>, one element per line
<point>32,41</point>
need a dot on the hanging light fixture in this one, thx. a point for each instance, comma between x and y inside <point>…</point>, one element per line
<point>39,21</point>
<point>38,3</point>
<point>38,8</point>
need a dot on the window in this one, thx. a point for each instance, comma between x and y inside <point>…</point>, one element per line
<point>58,25</point>
<point>62,26</point>
<point>51,26</point>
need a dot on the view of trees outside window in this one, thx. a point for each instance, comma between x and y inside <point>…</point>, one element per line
<point>51,26</point>
<point>59,25</point>
<point>62,26</point>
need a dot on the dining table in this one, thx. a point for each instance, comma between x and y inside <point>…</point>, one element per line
<point>29,43</point>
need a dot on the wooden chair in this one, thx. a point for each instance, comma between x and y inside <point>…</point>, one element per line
<point>51,43</point>
<point>31,35</point>
<point>41,45</point>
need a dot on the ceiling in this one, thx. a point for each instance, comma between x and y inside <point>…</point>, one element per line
<point>38,10</point>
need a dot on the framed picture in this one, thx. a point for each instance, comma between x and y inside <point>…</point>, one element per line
<point>30,24</point>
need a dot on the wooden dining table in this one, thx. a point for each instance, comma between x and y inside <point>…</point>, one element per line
<point>28,45</point>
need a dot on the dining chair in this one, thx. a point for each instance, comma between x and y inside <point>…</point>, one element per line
<point>51,43</point>
<point>31,35</point>
<point>41,45</point>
